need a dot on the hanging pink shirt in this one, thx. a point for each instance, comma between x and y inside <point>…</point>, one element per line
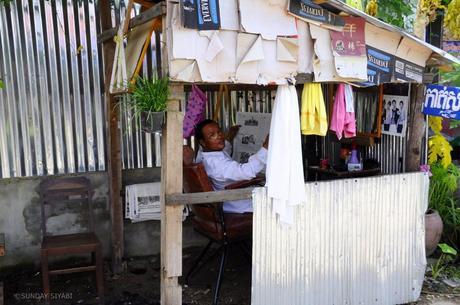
<point>342,122</point>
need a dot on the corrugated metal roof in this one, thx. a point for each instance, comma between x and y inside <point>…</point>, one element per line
<point>439,57</point>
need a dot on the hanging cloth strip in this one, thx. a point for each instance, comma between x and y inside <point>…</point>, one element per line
<point>222,97</point>
<point>313,117</point>
<point>343,115</point>
<point>285,177</point>
<point>119,77</point>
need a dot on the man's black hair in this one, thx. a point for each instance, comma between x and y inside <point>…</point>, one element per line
<point>199,128</point>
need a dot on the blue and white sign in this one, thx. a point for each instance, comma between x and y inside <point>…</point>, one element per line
<point>201,14</point>
<point>442,101</point>
<point>208,15</point>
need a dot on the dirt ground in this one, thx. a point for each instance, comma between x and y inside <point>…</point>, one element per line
<point>139,284</point>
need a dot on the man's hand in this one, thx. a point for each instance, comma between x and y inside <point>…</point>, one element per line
<point>232,131</point>
<point>265,145</point>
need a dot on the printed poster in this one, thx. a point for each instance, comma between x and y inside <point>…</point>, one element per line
<point>201,14</point>
<point>254,128</point>
<point>407,71</point>
<point>311,12</point>
<point>351,40</point>
<point>380,67</point>
<point>452,47</point>
<point>442,101</point>
<point>394,115</point>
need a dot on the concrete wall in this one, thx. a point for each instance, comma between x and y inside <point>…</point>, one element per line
<point>20,219</point>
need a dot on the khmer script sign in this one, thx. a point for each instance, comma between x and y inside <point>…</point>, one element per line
<point>442,101</point>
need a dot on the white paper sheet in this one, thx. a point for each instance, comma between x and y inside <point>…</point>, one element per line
<point>411,51</point>
<point>184,41</point>
<point>327,67</point>
<point>306,52</point>
<point>214,47</point>
<point>222,67</point>
<point>287,49</point>
<point>351,67</point>
<point>249,52</point>
<point>273,70</point>
<point>231,56</point>
<point>382,39</point>
<point>268,18</point>
<point>323,65</point>
<point>254,128</point>
<point>187,70</point>
<point>229,19</point>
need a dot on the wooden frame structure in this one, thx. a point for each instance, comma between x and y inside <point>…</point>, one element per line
<point>172,198</point>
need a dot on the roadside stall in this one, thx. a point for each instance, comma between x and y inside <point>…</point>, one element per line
<point>347,241</point>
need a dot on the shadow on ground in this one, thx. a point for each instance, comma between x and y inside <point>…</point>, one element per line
<point>139,284</point>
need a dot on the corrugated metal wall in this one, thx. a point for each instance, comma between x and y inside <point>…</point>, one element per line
<point>390,152</point>
<point>51,109</point>
<point>355,241</point>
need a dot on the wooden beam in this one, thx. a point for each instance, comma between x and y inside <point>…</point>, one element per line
<point>231,87</point>
<point>171,216</point>
<point>145,3</point>
<point>113,146</point>
<point>416,129</point>
<point>156,11</point>
<point>208,197</point>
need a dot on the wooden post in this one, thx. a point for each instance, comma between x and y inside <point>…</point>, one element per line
<point>171,216</point>
<point>113,146</point>
<point>2,253</point>
<point>416,128</point>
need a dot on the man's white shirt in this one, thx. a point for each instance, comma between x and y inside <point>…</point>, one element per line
<point>223,170</point>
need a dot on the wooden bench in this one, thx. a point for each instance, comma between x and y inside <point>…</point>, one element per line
<point>2,253</point>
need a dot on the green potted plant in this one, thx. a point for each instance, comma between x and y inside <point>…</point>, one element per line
<point>443,215</point>
<point>148,100</point>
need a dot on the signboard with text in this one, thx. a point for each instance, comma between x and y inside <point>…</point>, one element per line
<point>442,101</point>
<point>201,14</point>
<point>310,11</point>
<point>351,40</point>
<point>407,71</point>
<point>380,67</point>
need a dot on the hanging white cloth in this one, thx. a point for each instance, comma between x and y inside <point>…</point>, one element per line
<point>119,78</point>
<point>285,177</point>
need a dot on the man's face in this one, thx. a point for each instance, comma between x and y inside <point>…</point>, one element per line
<point>213,138</point>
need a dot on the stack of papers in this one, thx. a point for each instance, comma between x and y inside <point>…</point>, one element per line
<point>143,202</point>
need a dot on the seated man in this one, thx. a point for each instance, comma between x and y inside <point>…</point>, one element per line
<point>222,169</point>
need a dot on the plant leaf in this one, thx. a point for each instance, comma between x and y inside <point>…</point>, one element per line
<point>445,248</point>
